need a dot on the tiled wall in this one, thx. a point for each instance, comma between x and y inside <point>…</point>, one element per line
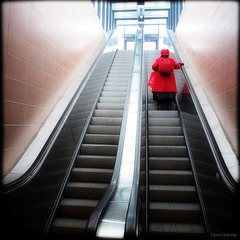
<point>208,33</point>
<point>44,46</point>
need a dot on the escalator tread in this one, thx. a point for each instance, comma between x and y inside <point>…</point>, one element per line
<point>173,203</point>
<point>94,165</point>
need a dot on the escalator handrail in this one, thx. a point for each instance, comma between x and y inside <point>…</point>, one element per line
<point>227,177</point>
<point>35,167</point>
<point>132,214</point>
<point>99,210</point>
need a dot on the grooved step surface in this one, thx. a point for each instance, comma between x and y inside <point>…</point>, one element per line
<point>175,212</point>
<point>173,200</point>
<point>93,168</point>
<point>176,229</point>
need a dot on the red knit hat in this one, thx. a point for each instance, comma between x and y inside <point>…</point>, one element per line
<point>165,52</point>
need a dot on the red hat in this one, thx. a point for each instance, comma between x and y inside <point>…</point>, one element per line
<point>165,52</point>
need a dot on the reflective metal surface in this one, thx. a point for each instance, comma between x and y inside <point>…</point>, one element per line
<point>113,222</point>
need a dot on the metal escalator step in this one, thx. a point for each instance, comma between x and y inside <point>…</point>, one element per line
<point>175,177</point>
<point>106,121</point>
<point>118,89</point>
<point>112,99</point>
<point>95,175</point>
<point>176,229</point>
<point>168,151</point>
<point>156,130</point>
<point>163,114</point>
<point>76,208</point>
<point>174,212</point>
<point>110,106</point>
<point>108,113</point>
<point>117,79</point>
<point>69,226</point>
<point>113,94</point>
<point>164,121</point>
<point>116,84</point>
<point>172,193</point>
<point>166,140</point>
<point>93,129</point>
<point>98,149</point>
<point>116,72</point>
<point>101,139</point>
<point>95,161</point>
<point>173,163</point>
<point>85,190</point>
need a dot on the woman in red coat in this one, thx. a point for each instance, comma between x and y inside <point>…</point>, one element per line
<point>164,84</point>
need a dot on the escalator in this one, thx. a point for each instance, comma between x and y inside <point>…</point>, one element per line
<point>173,201</point>
<point>173,191</point>
<point>186,196</point>
<point>95,162</point>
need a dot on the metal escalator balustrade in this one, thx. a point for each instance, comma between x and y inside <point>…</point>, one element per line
<point>94,165</point>
<point>173,202</point>
<point>115,219</point>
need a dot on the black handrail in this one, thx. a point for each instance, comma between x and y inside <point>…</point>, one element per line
<point>99,210</point>
<point>227,177</point>
<point>32,171</point>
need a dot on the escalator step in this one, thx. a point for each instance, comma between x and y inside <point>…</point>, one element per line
<point>163,114</point>
<point>85,190</point>
<point>69,226</point>
<point>101,139</point>
<point>176,229</point>
<point>175,177</point>
<point>110,106</point>
<point>166,130</point>
<point>106,121</point>
<point>98,149</point>
<point>164,121</point>
<point>174,212</point>
<point>172,193</point>
<point>166,140</point>
<point>95,161</point>
<point>113,94</point>
<point>116,84</point>
<point>94,175</point>
<point>108,113</point>
<point>168,151</point>
<point>112,99</point>
<point>76,208</point>
<point>165,163</point>
<point>92,129</point>
<point>120,89</point>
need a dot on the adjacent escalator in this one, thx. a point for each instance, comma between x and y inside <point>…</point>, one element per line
<point>95,162</point>
<point>174,209</point>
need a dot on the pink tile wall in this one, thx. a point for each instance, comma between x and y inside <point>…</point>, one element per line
<point>44,45</point>
<point>208,33</point>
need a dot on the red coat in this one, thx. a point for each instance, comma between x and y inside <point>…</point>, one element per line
<point>164,82</point>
